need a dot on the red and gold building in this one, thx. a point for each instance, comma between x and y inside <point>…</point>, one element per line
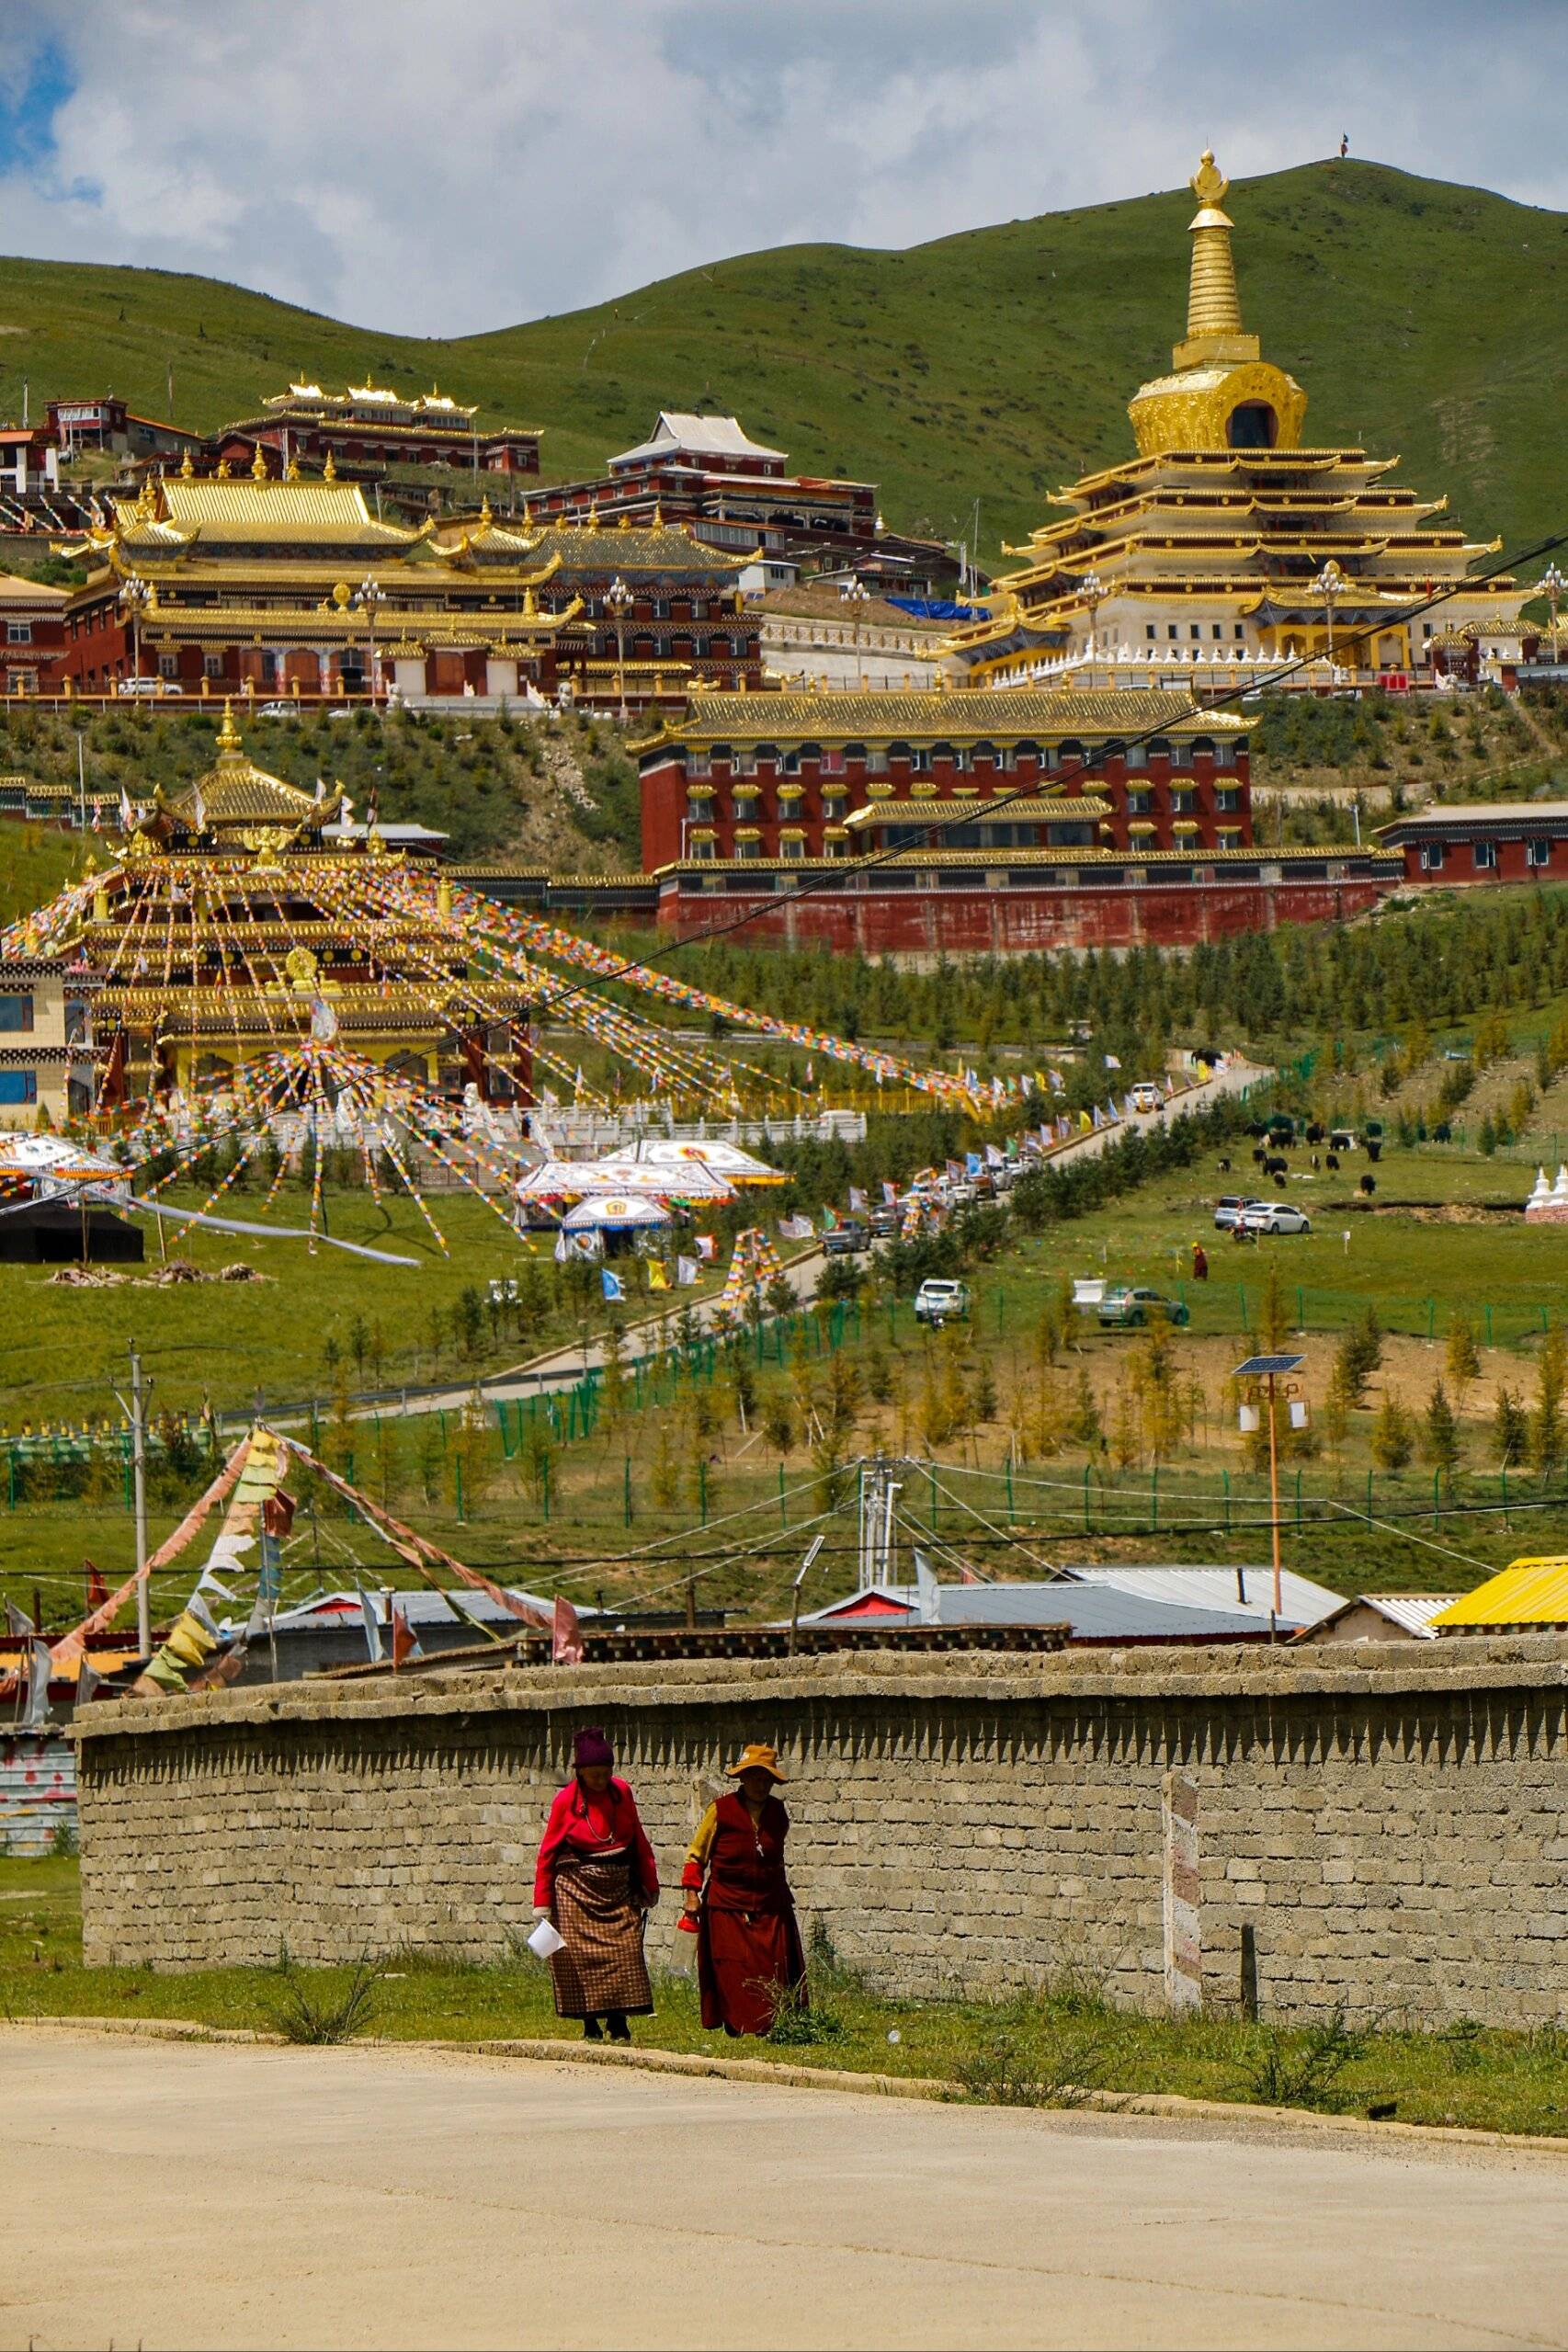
<point>368,427</point>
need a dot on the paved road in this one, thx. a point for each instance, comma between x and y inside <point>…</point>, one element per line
<point>564,1368</point>
<point>165,2195</point>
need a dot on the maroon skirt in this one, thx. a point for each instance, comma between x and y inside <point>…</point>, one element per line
<point>601,1969</point>
<point>749,1966</point>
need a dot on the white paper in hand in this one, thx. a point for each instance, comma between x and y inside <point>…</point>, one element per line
<point>547,1940</point>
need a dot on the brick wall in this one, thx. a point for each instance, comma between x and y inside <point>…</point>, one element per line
<point>1390,1825</point>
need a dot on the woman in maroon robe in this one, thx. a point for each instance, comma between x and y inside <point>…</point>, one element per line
<point>749,1962</point>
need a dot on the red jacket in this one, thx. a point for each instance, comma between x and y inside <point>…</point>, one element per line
<point>583,1824</point>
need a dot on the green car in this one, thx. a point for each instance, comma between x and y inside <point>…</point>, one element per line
<point>1125,1310</point>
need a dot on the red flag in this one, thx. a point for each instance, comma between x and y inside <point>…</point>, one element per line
<point>278,1514</point>
<point>404,1641</point>
<point>566,1635</point>
<point>97,1591</point>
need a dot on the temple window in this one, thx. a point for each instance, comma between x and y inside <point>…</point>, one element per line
<point>1240,631</point>
<point>698,763</point>
<point>168,666</point>
<point>699,807</point>
<point>1227,799</point>
<point>1483,855</point>
<point>1217,631</point>
<point>1537,853</point>
<point>19,633</point>
<point>1172,631</point>
<point>16,1013</point>
<point>213,665</point>
<point>661,608</point>
<point>1149,630</point>
<point>1139,803</point>
<point>877,759</point>
<point>1196,629</point>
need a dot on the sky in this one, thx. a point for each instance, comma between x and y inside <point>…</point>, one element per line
<point>440,170</point>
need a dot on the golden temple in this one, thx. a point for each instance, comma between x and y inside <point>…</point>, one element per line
<point>245,915</point>
<point>1226,541</point>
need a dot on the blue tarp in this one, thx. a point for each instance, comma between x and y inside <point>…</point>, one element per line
<point>938,609</point>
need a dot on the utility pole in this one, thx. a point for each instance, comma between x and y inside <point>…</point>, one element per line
<point>139,1489</point>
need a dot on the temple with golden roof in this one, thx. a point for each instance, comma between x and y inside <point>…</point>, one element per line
<point>267,583</point>
<point>243,914</point>
<point>1228,544</point>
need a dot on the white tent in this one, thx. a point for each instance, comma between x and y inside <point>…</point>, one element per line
<point>554,1180</point>
<point>724,1158</point>
<point>614,1213</point>
<point>691,1181</point>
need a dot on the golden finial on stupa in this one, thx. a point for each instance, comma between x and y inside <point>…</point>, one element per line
<point>658,514</point>
<point>329,471</point>
<point>258,464</point>
<point>484,508</point>
<point>228,734</point>
<point>291,472</point>
<point>1213,308</point>
<point>342,595</point>
<point>187,467</point>
<point>222,469</point>
<point>592,513</point>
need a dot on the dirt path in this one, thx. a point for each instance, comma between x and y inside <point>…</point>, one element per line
<point>258,2196</point>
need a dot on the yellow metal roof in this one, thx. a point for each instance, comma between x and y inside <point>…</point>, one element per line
<point>1528,1592</point>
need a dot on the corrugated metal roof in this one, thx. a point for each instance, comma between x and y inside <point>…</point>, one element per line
<point>1413,1611</point>
<point>1215,1588</point>
<point>1528,1592</point>
<point>1096,1612</point>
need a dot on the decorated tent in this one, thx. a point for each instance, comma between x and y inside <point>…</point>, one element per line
<point>613,1213</point>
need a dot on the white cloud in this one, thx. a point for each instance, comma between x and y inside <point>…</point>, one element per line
<point>444,171</point>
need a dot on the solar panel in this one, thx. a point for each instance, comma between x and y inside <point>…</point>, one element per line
<point>1256,1367</point>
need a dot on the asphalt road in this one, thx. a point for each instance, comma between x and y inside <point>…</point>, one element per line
<point>167,2195</point>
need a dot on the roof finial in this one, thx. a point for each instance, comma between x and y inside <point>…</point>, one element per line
<point>1213,308</point>
<point>228,734</point>
<point>329,471</point>
<point>258,464</point>
<point>186,468</point>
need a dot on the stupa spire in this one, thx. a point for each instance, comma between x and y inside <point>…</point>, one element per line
<point>1214,329</point>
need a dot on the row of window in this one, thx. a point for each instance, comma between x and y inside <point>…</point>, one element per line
<point>1195,629</point>
<point>1483,855</point>
<point>963,758</point>
<point>663,609</point>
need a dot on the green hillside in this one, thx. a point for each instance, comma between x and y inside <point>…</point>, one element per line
<point>1425,320</point>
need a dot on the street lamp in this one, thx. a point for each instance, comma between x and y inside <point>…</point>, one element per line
<point>369,596</point>
<point>1328,585</point>
<point>1091,588</point>
<point>856,595</point>
<point>618,601</point>
<point>1270,1369</point>
<point>1552,586</point>
<point>135,596</point>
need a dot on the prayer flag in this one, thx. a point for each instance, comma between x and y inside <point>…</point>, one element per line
<point>37,1686</point>
<point>890,1194</point>
<point>974,1163</point>
<point>610,1284</point>
<point>830,1221</point>
<point>562,1247</point>
<point>686,1271</point>
<point>1111,1063</point>
<point>706,1247</point>
<point>17,1623</point>
<point>995,1157</point>
<point>1059,1083</point>
<point>87,1681</point>
<point>404,1641</point>
<point>658,1279</point>
<point>97,1591</point>
<point>566,1635</point>
<point>372,1629</point>
<point>857,1198</point>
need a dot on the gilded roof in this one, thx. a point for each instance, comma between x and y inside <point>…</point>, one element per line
<point>969,715</point>
<point>235,791</point>
<point>655,547</point>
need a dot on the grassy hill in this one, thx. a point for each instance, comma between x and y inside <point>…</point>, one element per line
<point>1426,320</point>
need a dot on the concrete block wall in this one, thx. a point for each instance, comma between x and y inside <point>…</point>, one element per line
<point>1390,1823</point>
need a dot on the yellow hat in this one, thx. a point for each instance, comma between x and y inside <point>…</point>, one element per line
<point>755,1758</point>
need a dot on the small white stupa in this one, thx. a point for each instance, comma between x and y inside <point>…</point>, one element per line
<point>1547,1204</point>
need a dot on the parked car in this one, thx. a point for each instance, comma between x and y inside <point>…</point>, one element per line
<point>278,710</point>
<point>138,686</point>
<point>1128,1309</point>
<point>959,1193</point>
<point>1274,1216</point>
<point>886,1222</point>
<point>1228,1209</point>
<point>938,1302</point>
<point>1145,1096</point>
<point>848,1239</point>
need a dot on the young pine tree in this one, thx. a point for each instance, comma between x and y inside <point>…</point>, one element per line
<point>1393,1440</point>
<point>1440,1432</point>
<point>1462,1359</point>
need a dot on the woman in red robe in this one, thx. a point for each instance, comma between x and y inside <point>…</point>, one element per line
<point>595,1880</point>
<point>749,1962</point>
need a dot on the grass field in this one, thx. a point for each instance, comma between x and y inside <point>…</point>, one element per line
<point>1041,2049</point>
<point>1397,301</point>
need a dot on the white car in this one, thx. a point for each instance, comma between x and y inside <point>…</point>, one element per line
<point>1273,1217</point>
<point>278,710</point>
<point>938,1302</point>
<point>1145,1096</point>
<point>153,686</point>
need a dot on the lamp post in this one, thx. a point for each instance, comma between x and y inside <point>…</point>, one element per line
<point>618,601</point>
<point>369,596</point>
<point>1091,588</point>
<point>135,596</point>
<point>1327,586</point>
<point>856,595</point>
<point>1552,586</point>
<point>1268,1370</point>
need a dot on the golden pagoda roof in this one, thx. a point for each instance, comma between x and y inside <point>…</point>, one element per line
<point>235,791</point>
<point>655,547</point>
<point>969,715</point>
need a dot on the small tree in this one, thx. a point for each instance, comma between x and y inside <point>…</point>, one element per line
<point>1274,1321</point>
<point>1462,1359</point>
<point>1084,1426</point>
<point>1393,1440</point>
<point>359,1343</point>
<point>1358,1356</point>
<point>779,1423</point>
<point>1510,1430</point>
<point>1440,1435</point>
<point>1546,1421</point>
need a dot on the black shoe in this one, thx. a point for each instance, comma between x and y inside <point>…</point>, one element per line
<point>619,2028</point>
<point>592,2030</point>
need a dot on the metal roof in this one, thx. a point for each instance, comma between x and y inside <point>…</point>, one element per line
<point>1095,1612</point>
<point>681,430</point>
<point>1215,1588</point>
<point>416,1608</point>
<point>1529,1592</point>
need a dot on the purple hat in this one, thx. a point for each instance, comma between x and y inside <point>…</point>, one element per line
<point>590,1746</point>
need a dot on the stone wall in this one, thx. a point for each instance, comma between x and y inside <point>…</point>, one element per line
<point>1387,1822</point>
